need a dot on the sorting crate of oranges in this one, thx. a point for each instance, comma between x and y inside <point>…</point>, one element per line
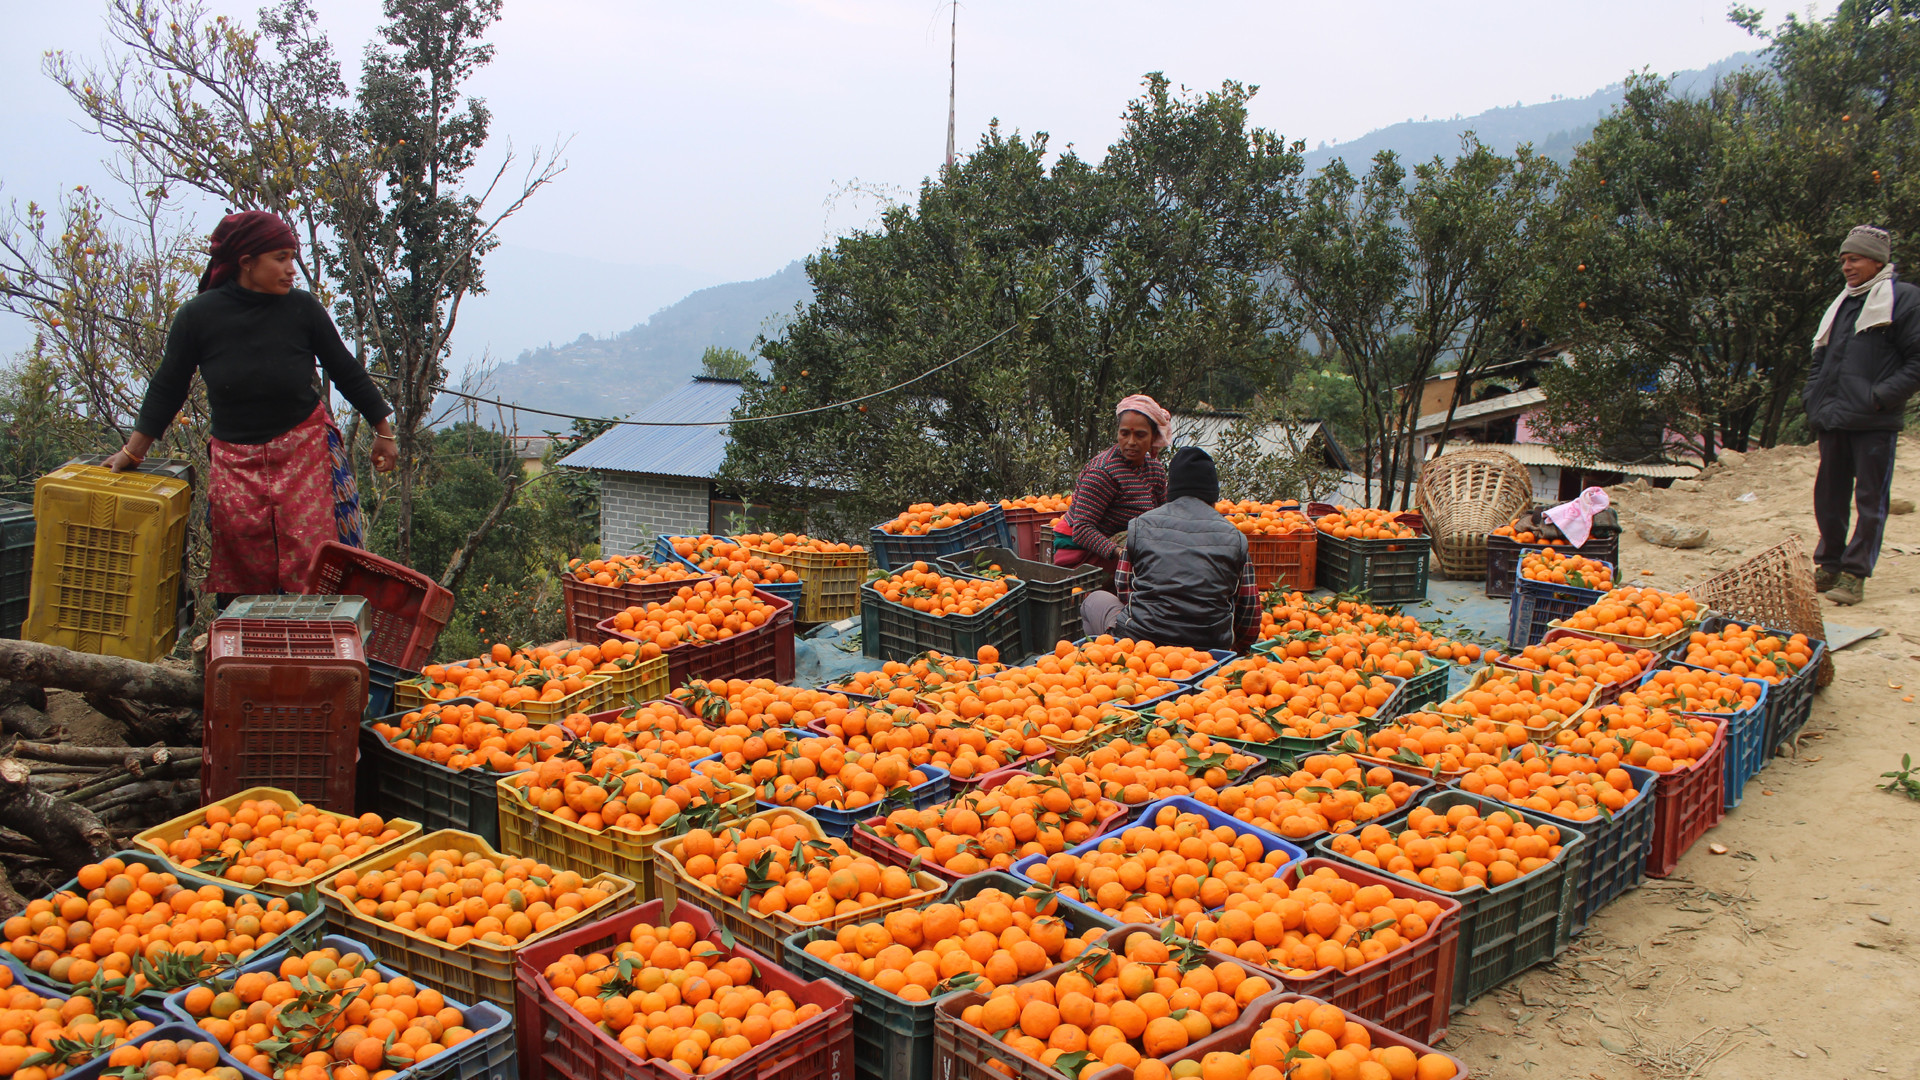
<point>541,684</point>
<point>269,840</point>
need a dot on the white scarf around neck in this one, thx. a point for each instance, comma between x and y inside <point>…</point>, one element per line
<point>1877,311</point>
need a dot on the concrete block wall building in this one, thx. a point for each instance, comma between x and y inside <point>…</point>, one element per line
<point>657,480</point>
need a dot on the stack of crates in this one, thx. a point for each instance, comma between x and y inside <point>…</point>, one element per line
<point>16,565</point>
<point>108,558</point>
<point>283,706</point>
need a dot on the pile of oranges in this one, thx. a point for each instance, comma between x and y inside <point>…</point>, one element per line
<point>1564,785</point>
<point>1559,568</point>
<point>1045,504</point>
<point>132,911</point>
<point>758,703</point>
<point>1636,613</point>
<point>990,830</point>
<point>1652,738</point>
<point>1456,850</point>
<point>472,737</point>
<point>456,896</point>
<point>507,676</point>
<point>1695,690</point>
<point>719,555</point>
<point>987,940</point>
<point>782,543</point>
<point>1264,519</point>
<point>1425,741</point>
<point>938,595</point>
<point>1307,1038</point>
<point>1138,656</point>
<point>1753,651</point>
<point>332,1013</point>
<point>823,772</point>
<point>699,614</point>
<point>260,839</point>
<point>1175,865</point>
<point>1262,699</point>
<point>923,518</point>
<point>615,570</point>
<point>1147,1001</point>
<point>1364,524</point>
<point>1539,702</point>
<point>1322,920</point>
<point>924,672</point>
<point>1528,534</point>
<point>1604,662</point>
<point>772,862</point>
<point>1158,767</point>
<point>938,738</point>
<point>1308,625</point>
<point>669,994</point>
<point>1326,793</point>
<point>616,791</point>
<point>182,1059</point>
<point>32,1025</point>
<point>655,732</point>
<point>1051,700</point>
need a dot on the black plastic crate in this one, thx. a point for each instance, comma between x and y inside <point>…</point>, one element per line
<point>890,631</point>
<point>381,676</point>
<point>1504,554</point>
<point>892,552</point>
<point>16,565</point>
<point>1050,612</point>
<point>1388,571</point>
<point>397,784</point>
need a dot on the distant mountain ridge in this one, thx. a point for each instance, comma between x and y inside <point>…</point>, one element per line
<point>617,375</point>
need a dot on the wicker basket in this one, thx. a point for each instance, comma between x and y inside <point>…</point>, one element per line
<point>1774,588</point>
<point>1464,497</point>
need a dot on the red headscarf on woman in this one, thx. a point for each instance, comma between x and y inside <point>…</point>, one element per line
<point>250,232</point>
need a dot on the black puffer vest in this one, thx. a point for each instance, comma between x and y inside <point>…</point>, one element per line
<point>1187,561</point>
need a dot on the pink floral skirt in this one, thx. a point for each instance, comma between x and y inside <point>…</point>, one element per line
<point>271,505</point>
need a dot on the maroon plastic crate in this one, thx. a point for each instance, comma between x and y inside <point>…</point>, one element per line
<point>557,1043</point>
<point>282,709</point>
<point>1686,803</point>
<point>588,605</point>
<point>1032,532</point>
<point>764,652</point>
<point>409,608</point>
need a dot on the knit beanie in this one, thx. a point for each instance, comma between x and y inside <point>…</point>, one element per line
<point>1870,241</point>
<point>1191,472</point>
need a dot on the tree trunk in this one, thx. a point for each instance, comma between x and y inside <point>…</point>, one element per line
<point>147,724</point>
<point>457,566</point>
<point>54,667</point>
<point>69,835</point>
<point>25,721</point>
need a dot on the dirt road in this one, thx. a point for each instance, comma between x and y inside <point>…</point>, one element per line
<point>1797,953</point>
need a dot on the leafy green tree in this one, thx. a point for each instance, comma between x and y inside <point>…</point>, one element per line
<point>1055,289</point>
<point>720,362</point>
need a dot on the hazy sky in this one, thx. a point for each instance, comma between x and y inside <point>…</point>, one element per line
<point>708,140</point>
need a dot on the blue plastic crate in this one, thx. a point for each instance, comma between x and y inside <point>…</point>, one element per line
<point>1790,701</point>
<point>164,1028</point>
<point>1269,843</point>
<point>663,553</point>
<point>488,1055</point>
<point>1536,603</point>
<point>1746,735</point>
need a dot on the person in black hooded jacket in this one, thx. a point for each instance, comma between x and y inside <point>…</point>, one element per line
<point>1866,363</point>
<point>1184,576</point>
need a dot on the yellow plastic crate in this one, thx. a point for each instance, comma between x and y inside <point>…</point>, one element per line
<point>158,838</point>
<point>765,934</point>
<point>413,693</point>
<point>565,845</point>
<point>476,971</point>
<point>644,681</point>
<point>106,561</point>
<point>829,582</point>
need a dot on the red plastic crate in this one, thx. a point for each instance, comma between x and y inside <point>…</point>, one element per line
<point>557,1043</point>
<point>588,605</point>
<point>1409,991</point>
<point>282,709</point>
<point>764,652</point>
<point>1294,556</point>
<point>409,608</point>
<point>1032,531</point>
<point>1687,803</point>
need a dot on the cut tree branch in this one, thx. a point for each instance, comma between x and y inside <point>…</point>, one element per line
<point>54,667</point>
<point>69,835</point>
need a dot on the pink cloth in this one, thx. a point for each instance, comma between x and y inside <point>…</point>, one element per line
<point>1149,408</point>
<point>1575,519</point>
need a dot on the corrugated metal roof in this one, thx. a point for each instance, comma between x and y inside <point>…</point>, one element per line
<point>1540,456</point>
<point>692,452</point>
<point>1209,430</point>
<point>1491,407</point>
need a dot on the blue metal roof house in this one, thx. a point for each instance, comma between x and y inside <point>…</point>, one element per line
<point>657,480</point>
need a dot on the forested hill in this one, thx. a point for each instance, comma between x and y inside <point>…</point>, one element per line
<point>614,376</point>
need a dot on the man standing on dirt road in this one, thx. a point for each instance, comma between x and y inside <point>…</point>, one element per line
<point>1866,363</point>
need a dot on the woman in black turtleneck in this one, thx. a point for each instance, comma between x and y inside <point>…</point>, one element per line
<point>280,481</point>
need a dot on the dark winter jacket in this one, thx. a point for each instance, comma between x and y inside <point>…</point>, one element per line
<point>1861,381</point>
<point>1187,565</point>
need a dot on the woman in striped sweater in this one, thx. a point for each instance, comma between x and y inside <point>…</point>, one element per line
<point>1121,482</point>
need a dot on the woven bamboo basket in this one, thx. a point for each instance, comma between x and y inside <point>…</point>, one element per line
<point>1774,588</point>
<point>1464,497</point>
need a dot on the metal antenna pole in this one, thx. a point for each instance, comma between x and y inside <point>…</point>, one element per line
<point>953,75</point>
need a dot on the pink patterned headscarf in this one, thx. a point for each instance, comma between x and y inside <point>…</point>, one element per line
<point>1149,408</point>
